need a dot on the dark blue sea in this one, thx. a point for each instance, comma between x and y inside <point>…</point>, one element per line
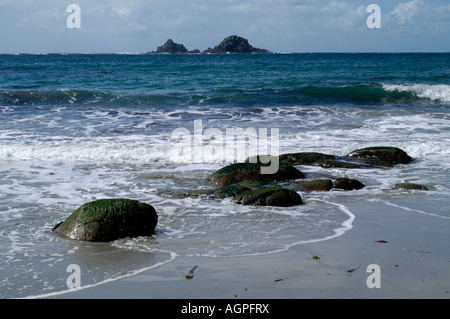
<point>80,127</point>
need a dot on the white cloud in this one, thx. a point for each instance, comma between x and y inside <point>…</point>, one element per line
<point>51,20</point>
<point>405,12</point>
<point>418,17</point>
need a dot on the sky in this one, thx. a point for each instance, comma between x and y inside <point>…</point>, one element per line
<point>117,26</point>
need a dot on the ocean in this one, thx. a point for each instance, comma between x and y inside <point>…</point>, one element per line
<point>80,127</point>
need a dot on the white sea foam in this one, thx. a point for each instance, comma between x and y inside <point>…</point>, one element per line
<point>103,151</point>
<point>436,92</point>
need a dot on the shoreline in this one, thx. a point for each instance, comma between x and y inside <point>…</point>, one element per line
<point>410,249</point>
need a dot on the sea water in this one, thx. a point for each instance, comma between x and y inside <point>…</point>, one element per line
<point>80,127</point>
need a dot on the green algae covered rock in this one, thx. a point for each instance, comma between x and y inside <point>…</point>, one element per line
<point>269,196</point>
<point>412,186</point>
<point>221,192</point>
<point>317,159</point>
<point>306,158</point>
<point>347,184</point>
<point>316,185</point>
<point>109,219</point>
<point>238,172</point>
<point>382,155</point>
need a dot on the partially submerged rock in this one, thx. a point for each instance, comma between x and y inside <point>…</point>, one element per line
<point>109,219</point>
<point>412,186</point>
<point>347,184</point>
<point>239,172</point>
<point>221,192</point>
<point>306,158</point>
<point>269,196</point>
<point>382,155</point>
<point>315,185</point>
<point>319,159</point>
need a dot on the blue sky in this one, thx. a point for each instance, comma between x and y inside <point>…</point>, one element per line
<point>39,26</point>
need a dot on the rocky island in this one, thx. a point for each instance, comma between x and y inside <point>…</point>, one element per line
<point>235,44</point>
<point>173,48</point>
<point>231,44</point>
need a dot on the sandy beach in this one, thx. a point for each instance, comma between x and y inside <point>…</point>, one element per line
<point>409,246</point>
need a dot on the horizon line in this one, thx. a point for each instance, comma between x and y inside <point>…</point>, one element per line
<point>230,53</point>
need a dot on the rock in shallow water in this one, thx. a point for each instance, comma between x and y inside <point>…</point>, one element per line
<point>347,184</point>
<point>382,155</point>
<point>109,219</point>
<point>269,196</point>
<point>240,172</point>
<point>316,185</point>
<point>411,186</point>
<point>317,159</point>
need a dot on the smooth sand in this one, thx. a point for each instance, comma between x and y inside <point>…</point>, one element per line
<point>414,263</point>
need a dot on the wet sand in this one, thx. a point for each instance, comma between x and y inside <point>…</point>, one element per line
<point>411,250</point>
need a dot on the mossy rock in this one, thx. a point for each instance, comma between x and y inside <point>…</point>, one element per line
<point>318,159</point>
<point>230,191</point>
<point>411,186</point>
<point>221,192</point>
<point>239,172</point>
<point>347,184</point>
<point>109,219</point>
<point>315,185</point>
<point>306,158</point>
<point>382,155</point>
<point>269,196</point>
<point>337,164</point>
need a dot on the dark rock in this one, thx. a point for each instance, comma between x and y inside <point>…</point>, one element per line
<point>171,47</point>
<point>269,196</point>
<point>382,155</point>
<point>235,44</point>
<point>411,186</point>
<point>230,191</point>
<point>347,184</point>
<point>305,158</point>
<point>254,183</point>
<point>109,219</point>
<point>221,192</point>
<point>315,185</point>
<point>193,193</point>
<point>239,172</point>
<point>366,157</point>
<point>337,163</point>
<point>317,159</point>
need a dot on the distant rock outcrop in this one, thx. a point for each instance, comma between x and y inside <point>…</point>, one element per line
<point>231,44</point>
<point>173,48</point>
<point>235,44</point>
